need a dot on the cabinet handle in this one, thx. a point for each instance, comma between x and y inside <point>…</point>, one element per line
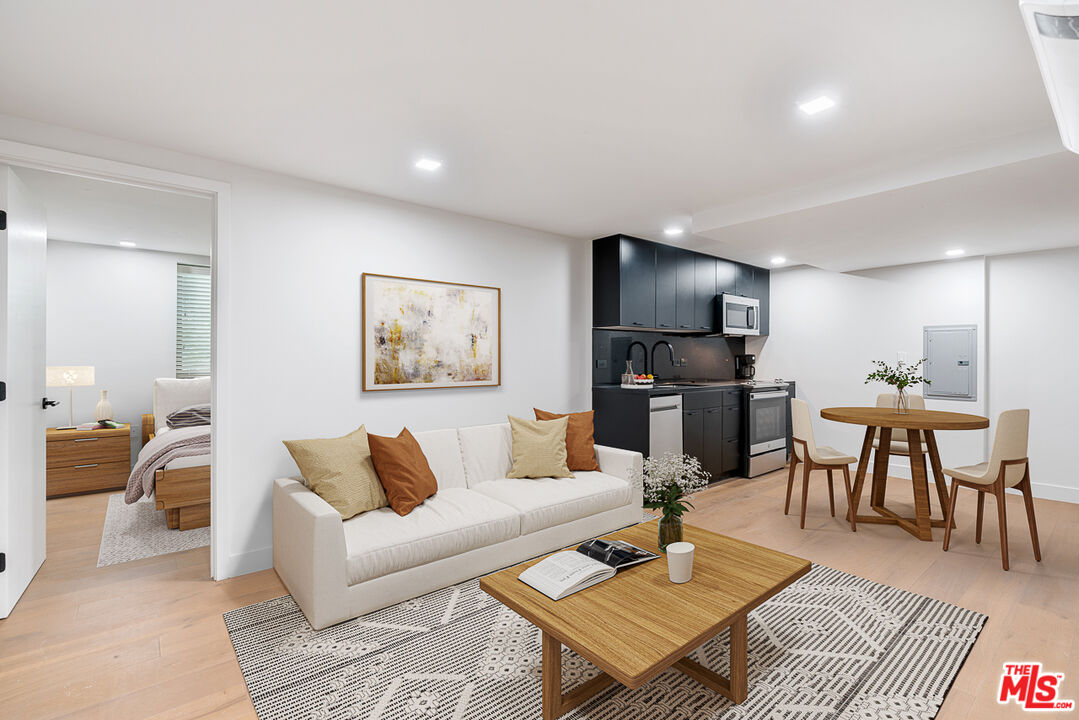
<point>87,439</point>
<point>634,322</point>
<point>79,467</point>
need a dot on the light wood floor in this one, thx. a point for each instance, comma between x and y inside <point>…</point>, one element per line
<point>146,639</point>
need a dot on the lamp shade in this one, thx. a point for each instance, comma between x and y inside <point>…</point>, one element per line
<point>69,375</point>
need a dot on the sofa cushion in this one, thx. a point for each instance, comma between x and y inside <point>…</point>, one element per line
<point>340,471</point>
<point>580,438</point>
<point>538,448</point>
<point>403,469</point>
<point>443,451</point>
<point>485,450</point>
<point>545,502</point>
<point>454,521</point>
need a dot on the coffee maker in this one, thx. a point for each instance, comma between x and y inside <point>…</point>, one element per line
<point>745,366</point>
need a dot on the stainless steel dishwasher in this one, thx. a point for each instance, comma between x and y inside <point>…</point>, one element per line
<point>664,425</point>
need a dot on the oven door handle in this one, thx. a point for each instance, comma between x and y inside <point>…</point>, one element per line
<point>766,395</point>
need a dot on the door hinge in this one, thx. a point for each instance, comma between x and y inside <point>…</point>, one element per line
<point>3,219</point>
<point>3,562</point>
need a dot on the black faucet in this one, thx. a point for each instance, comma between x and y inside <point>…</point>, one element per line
<point>670,349</point>
<point>629,353</point>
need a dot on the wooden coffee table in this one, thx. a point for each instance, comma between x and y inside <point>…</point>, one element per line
<point>638,623</point>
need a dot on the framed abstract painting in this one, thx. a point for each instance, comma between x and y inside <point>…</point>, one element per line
<point>421,334</point>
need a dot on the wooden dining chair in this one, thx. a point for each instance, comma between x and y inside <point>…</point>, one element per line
<point>814,457</point>
<point>1008,467</point>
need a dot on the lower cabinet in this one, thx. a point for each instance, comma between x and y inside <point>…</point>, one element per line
<point>712,430</point>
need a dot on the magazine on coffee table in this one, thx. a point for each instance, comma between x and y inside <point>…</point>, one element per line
<point>564,573</point>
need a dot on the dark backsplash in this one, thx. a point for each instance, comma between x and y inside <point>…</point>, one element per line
<point>709,358</point>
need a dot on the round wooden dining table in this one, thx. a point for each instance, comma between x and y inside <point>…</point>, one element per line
<point>918,425</point>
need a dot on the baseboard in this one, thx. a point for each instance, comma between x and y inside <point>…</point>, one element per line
<point>246,562</point>
<point>1048,491</point>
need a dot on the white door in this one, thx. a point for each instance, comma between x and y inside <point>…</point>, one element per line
<point>22,370</point>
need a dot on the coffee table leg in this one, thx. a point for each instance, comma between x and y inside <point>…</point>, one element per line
<point>737,687</point>
<point>555,704</point>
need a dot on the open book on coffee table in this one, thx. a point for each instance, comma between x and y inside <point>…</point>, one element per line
<point>564,573</point>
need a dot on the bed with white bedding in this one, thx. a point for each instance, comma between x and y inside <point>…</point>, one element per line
<point>174,463</point>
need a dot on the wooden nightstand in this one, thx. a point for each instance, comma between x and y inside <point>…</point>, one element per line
<point>83,461</point>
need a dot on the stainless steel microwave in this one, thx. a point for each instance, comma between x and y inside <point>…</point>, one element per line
<point>740,315</point>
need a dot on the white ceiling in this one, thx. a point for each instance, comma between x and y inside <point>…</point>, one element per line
<point>106,213</point>
<point>582,118</point>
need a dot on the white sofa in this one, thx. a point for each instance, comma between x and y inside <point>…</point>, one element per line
<point>477,522</point>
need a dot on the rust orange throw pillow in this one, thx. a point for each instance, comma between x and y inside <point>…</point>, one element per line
<point>403,470</point>
<point>580,445</point>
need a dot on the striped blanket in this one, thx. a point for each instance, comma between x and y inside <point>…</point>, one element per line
<point>159,452</point>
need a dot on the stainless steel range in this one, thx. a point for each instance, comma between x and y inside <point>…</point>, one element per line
<point>766,411</point>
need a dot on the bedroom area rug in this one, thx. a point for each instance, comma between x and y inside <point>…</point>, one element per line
<point>830,646</point>
<point>137,531</point>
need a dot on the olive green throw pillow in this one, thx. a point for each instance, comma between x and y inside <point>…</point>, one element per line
<point>539,448</point>
<point>340,471</point>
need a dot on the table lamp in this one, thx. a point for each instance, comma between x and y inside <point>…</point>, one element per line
<point>69,376</point>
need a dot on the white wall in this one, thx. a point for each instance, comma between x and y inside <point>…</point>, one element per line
<point>827,328</point>
<point>296,253</point>
<point>113,308</point>
<point>1033,346</point>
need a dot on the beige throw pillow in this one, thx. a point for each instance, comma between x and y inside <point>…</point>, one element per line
<point>340,471</point>
<point>539,448</point>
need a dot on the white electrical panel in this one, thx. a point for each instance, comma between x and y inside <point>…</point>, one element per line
<point>951,353</point>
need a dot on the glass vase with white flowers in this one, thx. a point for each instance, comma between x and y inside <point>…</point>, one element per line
<point>669,481</point>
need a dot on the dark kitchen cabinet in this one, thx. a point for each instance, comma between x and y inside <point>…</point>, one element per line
<point>704,290</point>
<point>712,430</point>
<point>713,441</point>
<point>666,286</point>
<point>624,282</point>
<point>693,434</point>
<point>686,271</point>
<point>638,284</point>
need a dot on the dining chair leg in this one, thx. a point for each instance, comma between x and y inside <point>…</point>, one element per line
<point>1028,500</point>
<point>951,514</point>
<point>1002,519</point>
<point>831,493</point>
<point>850,499</point>
<point>790,484</point>
<point>978,527</point>
<point>805,489</point>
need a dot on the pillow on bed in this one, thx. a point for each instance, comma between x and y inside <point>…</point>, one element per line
<point>189,416</point>
<point>340,471</point>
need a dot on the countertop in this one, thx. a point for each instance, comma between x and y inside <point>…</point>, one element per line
<point>698,386</point>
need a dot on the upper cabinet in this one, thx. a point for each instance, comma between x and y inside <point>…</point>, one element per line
<point>624,282</point>
<point>666,287</point>
<point>650,286</point>
<point>704,292</point>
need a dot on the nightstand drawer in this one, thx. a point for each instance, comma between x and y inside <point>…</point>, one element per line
<point>80,451</point>
<point>87,476</point>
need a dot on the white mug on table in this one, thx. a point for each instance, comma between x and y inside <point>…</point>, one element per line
<point>680,561</point>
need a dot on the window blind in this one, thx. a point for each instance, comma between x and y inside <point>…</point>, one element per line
<point>192,321</point>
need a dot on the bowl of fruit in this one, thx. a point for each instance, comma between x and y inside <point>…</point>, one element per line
<point>640,381</point>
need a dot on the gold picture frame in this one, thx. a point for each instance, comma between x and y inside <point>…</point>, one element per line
<point>421,334</point>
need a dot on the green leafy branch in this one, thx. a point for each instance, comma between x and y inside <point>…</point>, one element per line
<point>899,376</point>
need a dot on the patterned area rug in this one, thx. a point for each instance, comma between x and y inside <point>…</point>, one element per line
<point>137,531</point>
<point>832,645</point>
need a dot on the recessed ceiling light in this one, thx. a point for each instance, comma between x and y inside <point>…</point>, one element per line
<point>126,243</point>
<point>816,105</point>
<point>673,231</point>
<point>956,252</point>
<point>778,260</point>
<point>428,164</point>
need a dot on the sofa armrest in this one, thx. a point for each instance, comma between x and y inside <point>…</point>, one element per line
<point>625,464</point>
<point>309,552</point>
